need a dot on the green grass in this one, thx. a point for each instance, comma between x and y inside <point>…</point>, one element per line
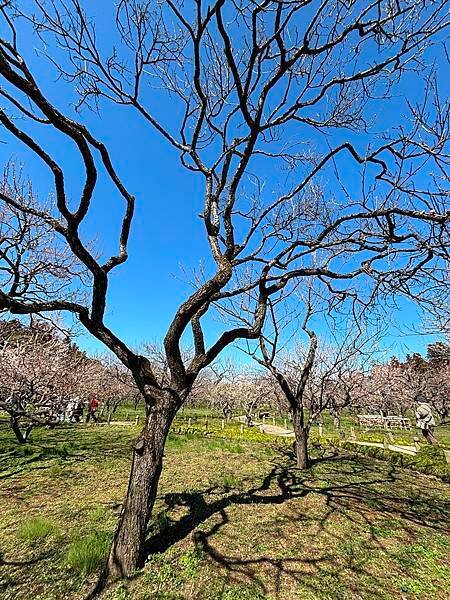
<point>88,553</point>
<point>36,528</point>
<point>233,520</point>
<point>197,418</point>
<point>429,460</point>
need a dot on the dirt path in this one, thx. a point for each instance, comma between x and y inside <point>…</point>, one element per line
<point>266,428</point>
<point>411,450</point>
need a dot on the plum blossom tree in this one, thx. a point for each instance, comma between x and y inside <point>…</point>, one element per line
<point>40,375</point>
<point>391,387</point>
<point>111,383</point>
<point>289,89</point>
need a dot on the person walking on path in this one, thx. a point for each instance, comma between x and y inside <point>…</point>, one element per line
<point>92,410</point>
<point>425,419</point>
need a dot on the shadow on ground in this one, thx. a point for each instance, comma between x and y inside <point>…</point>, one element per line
<point>360,489</point>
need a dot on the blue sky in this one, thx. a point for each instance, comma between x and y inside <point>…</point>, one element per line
<point>167,240</point>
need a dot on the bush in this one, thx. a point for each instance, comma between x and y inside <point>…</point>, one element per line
<point>88,554</point>
<point>429,460</point>
<point>36,528</point>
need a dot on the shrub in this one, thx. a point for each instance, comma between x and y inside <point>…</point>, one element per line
<point>36,528</point>
<point>88,554</point>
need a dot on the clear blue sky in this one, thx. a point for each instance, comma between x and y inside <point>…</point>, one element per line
<point>168,239</point>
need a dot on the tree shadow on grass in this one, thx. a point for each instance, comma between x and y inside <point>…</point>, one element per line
<point>21,459</point>
<point>8,583</point>
<point>28,562</point>
<point>351,488</point>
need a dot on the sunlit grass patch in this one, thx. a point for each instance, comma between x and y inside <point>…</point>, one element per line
<point>36,528</point>
<point>233,519</point>
<point>88,553</point>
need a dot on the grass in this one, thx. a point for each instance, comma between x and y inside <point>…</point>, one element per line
<point>234,520</point>
<point>89,553</point>
<point>36,528</point>
<point>429,460</point>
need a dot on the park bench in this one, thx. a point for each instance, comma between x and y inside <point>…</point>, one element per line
<point>394,422</point>
<point>388,422</point>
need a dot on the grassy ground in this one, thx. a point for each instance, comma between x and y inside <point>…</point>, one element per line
<point>198,416</point>
<point>233,521</point>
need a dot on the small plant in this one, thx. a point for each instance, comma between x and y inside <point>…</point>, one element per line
<point>384,528</point>
<point>235,448</point>
<point>99,514</point>
<point>36,528</point>
<point>121,592</point>
<point>164,573</point>
<point>227,481</point>
<point>88,554</point>
<point>190,561</point>
<point>414,586</point>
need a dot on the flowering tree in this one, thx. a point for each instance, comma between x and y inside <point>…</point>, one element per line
<point>110,382</point>
<point>437,379</point>
<point>391,387</point>
<point>40,375</point>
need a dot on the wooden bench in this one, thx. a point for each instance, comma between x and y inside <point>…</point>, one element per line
<point>388,422</point>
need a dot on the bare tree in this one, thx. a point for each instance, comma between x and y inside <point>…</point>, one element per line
<point>218,390</point>
<point>34,265</point>
<point>314,377</point>
<point>255,83</point>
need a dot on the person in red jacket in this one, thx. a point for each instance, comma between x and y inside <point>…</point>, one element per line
<point>92,410</point>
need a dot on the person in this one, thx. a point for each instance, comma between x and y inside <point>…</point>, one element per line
<point>78,411</point>
<point>424,418</point>
<point>92,410</point>
<point>70,408</point>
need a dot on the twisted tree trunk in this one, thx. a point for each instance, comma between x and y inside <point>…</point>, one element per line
<point>127,550</point>
<point>17,431</point>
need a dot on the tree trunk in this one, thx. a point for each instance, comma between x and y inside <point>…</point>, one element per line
<point>17,432</point>
<point>301,440</point>
<point>127,551</point>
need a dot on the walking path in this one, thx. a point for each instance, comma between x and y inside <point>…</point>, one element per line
<point>266,428</point>
<point>411,450</point>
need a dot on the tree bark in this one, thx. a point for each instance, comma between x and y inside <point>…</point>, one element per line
<point>127,550</point>
<point>301,440</point>
<point>17,432</point>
